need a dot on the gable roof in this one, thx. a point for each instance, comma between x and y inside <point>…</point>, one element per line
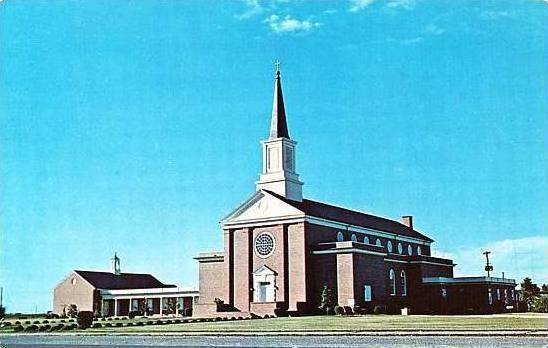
<point>107,280</point>
<point>352,217</point>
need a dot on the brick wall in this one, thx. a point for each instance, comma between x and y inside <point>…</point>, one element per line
<point>211,281</point>
<point>80,293</point>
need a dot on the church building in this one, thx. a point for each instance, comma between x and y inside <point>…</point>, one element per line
<point>281,250</point>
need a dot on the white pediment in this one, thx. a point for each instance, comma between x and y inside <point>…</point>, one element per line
<point>262,205</point>
<point>264,271</point>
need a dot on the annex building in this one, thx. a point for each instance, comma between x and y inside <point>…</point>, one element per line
<point>281,250</point>
<point>117,294</point>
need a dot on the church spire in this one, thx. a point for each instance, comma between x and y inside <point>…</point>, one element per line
<point>279,169</point>
<point>278,123</point>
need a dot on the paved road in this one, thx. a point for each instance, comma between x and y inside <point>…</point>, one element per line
<point>268,341</point>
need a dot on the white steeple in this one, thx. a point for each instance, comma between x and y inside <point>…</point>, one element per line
<point>279,173</point>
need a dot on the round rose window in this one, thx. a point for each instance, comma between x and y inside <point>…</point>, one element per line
<point>264,244</point>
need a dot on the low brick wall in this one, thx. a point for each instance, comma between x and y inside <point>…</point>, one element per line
<point>209,310</point>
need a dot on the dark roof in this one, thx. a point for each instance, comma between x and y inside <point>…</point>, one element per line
<point>278,124</point>
<point>352,217</point>
<point>107,280</point>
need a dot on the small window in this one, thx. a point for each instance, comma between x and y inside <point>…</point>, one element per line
<point>419,251</point>
<point>489,296</point>
<point>389,246</point>
<point>366,240</point>
<point>498,294</point>
<point>378,242</point>
<point>340,237</point>
<point>367,293</point>
<point>409,250</point>
<point>403,284</point>
<point>354,238</point>
<point>444,294</point>
<point>73,281</point>
<point>392,278</point>
<point>400,248</point>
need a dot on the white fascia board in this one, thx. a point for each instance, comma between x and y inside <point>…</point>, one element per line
<point>352,228</point>
<point>160,292</point>
<point>264,222</point>
<point>398,261</point>
<point>346,251</point>
<point>435,263</point>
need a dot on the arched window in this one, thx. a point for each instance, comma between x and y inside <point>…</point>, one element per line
<point>366,240</point>
<point>400,248</point>
<point>403,283</point>
<point>378,242</point>
<point>409,250</point>
<point>419,251</point>
<point>389,246</point>
<point>354,238</point>
<point>392,278</point>
<point>340,237</point>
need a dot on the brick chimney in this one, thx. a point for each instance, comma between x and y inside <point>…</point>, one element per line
<point>407,220</point>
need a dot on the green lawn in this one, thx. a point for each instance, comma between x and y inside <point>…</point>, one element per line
<point>525,321</point>
<point>354,323</point>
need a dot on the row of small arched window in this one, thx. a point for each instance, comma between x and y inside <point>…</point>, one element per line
<point>389,246</point>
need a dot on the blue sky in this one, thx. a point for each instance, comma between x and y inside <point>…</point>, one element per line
<point>134,126</point>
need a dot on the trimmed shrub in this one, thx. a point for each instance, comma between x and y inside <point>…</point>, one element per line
<point>62,320</point>
<point>45,321</point>
<point>339,310</point>
<point>330,311</point>
<point>18,328</point>
<point>97,325</point>
<point>379,309</point>
<point>58,327</point>
<point>133,314</point>
<point>67,327</point>
<point>109,318</point>
<point>177,321</point>
<point>116,318</point>
<point>139,323</point>
<point>348,310</point>
<point>31,328</point>
<point>85,319</point>
<point>119,324</point>
<point>17,322</point>
<point>108,325</point>
<point>102,319</point>
<point>36,322</point>
<point>150,322</point>
<point>159,322</point>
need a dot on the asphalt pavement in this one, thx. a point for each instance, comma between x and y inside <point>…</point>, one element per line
<point>142,341</point>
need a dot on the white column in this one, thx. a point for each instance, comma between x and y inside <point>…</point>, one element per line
<point>115,307</point>
<point>161,305</point>
<point>130,305</point>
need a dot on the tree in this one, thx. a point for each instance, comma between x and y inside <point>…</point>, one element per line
<point>170,306</point>
<point>327,300</point>
<point>71,310</point>
<point>544,287</point>
<point>539,304</point>
<point>529,291</point>
<point>2,312</point>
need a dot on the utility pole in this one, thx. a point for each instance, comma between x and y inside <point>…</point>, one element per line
<point>488,266</point>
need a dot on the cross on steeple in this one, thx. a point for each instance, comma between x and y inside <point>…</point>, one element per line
<point>277,64</point>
